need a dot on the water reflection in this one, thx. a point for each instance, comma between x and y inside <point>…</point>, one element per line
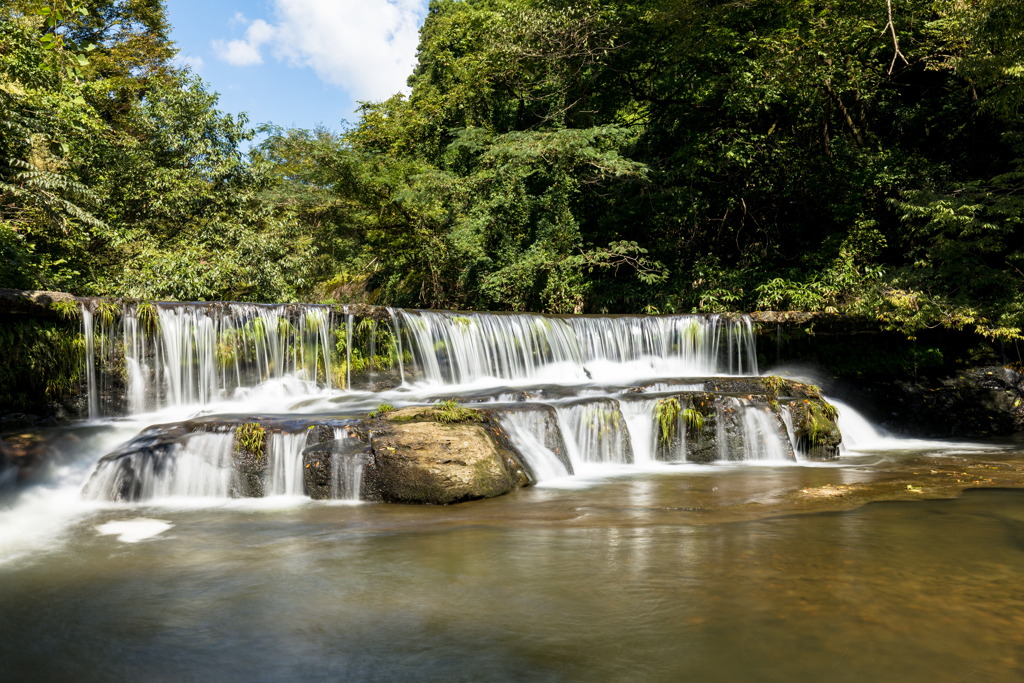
<point>537,586</point>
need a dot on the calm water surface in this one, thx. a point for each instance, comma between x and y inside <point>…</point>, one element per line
<point>621,580</point>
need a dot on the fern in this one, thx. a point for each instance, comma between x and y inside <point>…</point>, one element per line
<point>667,413</point>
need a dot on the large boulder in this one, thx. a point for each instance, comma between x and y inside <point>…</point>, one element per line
<point>423,455</point>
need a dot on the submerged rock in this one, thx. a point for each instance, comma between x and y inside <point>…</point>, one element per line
<point>419,459</point>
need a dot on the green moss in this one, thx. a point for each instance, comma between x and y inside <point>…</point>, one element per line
<point>820,422</point>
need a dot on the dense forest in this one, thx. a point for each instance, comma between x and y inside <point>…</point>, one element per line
<point>655,156</point>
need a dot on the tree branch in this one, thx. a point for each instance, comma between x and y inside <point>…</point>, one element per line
<point>895,41</point>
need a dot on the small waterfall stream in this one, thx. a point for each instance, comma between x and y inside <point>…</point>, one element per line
<point>347,475</point>
<point>286,476</point>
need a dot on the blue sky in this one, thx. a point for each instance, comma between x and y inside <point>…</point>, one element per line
<point>298,62</point>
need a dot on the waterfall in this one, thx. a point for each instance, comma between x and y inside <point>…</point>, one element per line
<point>151,468</point>
<point>285,476</point>
<point>177,354</point>
<point>642,426</point>
<point>89,331</point>
<point>763,435</point>
<point>532,432</point>
<point>460,348</point>
<point>347,470</point>
<point>595,432</point>
<point>570,393</point>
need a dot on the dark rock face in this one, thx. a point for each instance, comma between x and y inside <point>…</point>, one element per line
<point>124,474</point>
<point>980,402</point>
<point>331,465</point>
<point>251,458</point>
<point>702,443</point>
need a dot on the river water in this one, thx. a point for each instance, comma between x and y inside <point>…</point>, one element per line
<point>639,576</point>
<point>872,567</point>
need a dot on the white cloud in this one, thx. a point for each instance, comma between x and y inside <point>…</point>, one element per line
<point>194,63</point>
<point>367,47</point>
<point>245,52</point>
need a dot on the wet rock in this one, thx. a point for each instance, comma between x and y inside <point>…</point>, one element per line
<point>417,459</point>
<point>250,457</point>
<point>23,454</point>
<point>127,473</point>
<point>13,422</point>
<point>331,462</point>
<point>814,426</point>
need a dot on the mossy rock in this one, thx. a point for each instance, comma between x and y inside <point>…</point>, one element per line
<point>251,457</point>
<point>419,460</point>
<point>814,426</point>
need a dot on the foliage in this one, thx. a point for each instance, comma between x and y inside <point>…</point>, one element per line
<point>451,411</point>
<point>250,438</point>
<point>148,317</point>
<point>382,409</point>
<point>42,362</point>
<point>693,419</point>
<point>666,414</point>
<point>587,157</point>
<point>774,384</point>
<point>67,309</point>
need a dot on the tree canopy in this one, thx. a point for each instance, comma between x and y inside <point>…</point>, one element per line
<point>597,156</point>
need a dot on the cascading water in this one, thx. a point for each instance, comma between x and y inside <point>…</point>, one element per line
<point>249,359</point>
<point>764,438</point>
<point>347,474</point>
<point>152,467</point>
<point>174,354</point>
<point>595,432</point>
<point>286,476</point>
<point>639,416</point>
<point>533,432</point>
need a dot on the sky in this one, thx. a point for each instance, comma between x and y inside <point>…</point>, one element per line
<point>298,62</point>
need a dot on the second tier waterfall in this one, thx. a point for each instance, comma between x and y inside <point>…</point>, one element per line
<point>144,357</point>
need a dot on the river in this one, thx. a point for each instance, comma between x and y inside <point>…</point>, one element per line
<point>899,561</point>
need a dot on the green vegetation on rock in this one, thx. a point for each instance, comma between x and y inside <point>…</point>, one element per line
<point>451,411</point>
<point>666,414</point>
<point>251,438</point>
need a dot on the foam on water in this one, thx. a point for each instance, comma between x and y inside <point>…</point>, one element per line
<point>134,530</point>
